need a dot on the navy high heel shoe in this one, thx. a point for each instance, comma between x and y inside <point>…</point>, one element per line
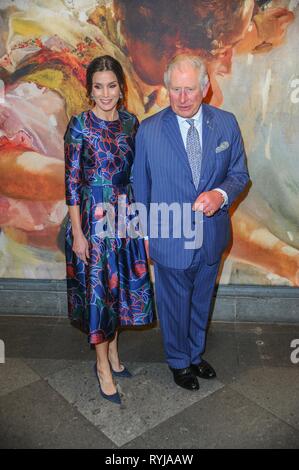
<point>114,398</point>
<point>123,373</point>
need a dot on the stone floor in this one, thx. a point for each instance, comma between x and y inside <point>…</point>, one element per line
<point>49,397</point>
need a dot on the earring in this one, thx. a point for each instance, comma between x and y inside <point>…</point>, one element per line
<point>121,96</point>
<point>92,97</point>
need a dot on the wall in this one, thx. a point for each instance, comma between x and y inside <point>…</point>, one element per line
<point>251,51</point>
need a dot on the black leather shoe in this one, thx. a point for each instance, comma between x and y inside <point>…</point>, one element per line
<point>203,370</point>
<point>184,378</point>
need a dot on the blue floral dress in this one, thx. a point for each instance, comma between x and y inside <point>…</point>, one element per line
<point>114,289</point>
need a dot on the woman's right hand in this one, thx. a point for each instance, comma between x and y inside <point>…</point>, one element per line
<point>80,247</point>
<point>146,245</point>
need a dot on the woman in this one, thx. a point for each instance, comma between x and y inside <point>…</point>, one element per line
<point>107,273</point>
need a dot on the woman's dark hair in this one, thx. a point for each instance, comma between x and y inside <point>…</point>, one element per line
<point>102,64</point>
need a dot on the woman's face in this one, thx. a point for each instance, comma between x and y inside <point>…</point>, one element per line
<point>105,90</point>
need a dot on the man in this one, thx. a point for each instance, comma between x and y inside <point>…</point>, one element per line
<point>189,153</point>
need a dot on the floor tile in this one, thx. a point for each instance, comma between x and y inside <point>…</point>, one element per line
<point>149,398</point>
<point>36,417</point>
<point>275,389</point>
<point>15,374</point>
<point>222,420</point>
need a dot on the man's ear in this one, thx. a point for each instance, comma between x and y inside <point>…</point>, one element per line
<point>206,89</point>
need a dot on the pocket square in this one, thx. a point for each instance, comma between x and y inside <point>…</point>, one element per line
<point>223,146</point>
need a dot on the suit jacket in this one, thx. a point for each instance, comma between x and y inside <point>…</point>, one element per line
<point>162,174</point>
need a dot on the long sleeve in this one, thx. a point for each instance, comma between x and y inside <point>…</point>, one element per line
<point>73,144</point>
<point>142,180</point>
<point>237,175</point>
<point>133,134</point>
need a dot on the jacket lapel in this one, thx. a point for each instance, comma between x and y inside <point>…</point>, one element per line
<point>209,139</point>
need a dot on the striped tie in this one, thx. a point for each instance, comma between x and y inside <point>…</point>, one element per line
<point>194,152</point>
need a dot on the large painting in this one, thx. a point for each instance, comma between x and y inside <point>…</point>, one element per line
<point>251,52</point>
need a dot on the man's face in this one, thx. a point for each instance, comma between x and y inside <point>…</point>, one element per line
<point>185,92</point>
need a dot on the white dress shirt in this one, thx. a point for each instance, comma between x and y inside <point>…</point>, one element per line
<point>184,127</point>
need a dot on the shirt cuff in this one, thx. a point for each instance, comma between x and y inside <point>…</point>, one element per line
<point>224,195</point>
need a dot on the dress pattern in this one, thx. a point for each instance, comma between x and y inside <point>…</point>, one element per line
<point>114,289</point>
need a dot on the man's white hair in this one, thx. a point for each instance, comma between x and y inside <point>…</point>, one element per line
<point>195,61</point>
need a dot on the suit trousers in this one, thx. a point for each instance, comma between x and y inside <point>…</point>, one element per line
<point>183,299</point>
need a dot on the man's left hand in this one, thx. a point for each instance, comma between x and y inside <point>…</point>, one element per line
<point>208,202</point>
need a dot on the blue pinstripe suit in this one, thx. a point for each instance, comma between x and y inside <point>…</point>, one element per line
<point>161,173</point>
